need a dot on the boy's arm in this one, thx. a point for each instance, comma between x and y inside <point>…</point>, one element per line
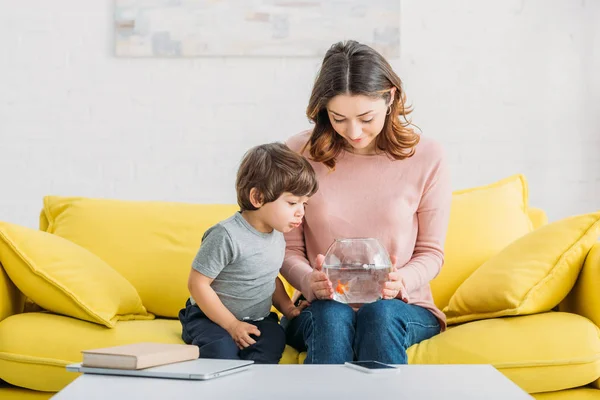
<point>208,301</point>
<point>210,304</point>
<point>283,303</point>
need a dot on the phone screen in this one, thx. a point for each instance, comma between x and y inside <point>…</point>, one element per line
<point>372,365</point>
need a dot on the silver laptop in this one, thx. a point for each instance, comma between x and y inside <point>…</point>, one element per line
<point>199,369</point>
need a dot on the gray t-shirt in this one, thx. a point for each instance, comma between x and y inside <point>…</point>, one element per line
<point>244,264</point>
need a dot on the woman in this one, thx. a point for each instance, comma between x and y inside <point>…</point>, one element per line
<point>377,178</point>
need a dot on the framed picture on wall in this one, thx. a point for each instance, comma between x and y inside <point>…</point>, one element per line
<point>294,28</point>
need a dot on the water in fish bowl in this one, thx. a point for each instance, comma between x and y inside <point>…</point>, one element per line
<point>358,269</point>
<point>357,284</point>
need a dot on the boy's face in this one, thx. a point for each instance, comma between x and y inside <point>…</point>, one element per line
<point>285,213</point>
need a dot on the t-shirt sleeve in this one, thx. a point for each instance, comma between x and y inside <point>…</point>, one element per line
<point>216,251</point>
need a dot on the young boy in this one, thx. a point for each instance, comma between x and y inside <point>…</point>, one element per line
<point>233,281</point>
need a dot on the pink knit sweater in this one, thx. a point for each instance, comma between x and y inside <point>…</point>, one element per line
<point>405,204</point>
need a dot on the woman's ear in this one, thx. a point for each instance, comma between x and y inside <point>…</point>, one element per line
<point>392,96</point>
<point>256,198</point>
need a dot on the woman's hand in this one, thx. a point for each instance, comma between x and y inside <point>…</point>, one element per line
<point>394,285</point>
<point>319,283</point>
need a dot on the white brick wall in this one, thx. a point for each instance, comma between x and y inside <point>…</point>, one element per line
<point>507,86</point>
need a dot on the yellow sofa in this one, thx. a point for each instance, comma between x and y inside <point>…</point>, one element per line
<point>68,287</point>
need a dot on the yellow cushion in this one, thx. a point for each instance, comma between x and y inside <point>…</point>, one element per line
<point>151,243</point>
<point>483,220</point>
<point>531,275</point>
<point>36,347</point>
<point>540,353</point>
<point>65,278</point>
<point>12,300</point>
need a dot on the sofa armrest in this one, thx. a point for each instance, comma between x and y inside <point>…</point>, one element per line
<point>12,300</point>
<point>584,298</point>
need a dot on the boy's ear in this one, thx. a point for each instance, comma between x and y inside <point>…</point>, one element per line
<point>256,198</point>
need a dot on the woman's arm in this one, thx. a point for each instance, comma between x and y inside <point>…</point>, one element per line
<point>433,214</point>
<point>296,268</point>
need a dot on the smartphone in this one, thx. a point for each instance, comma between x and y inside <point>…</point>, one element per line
<point>371,367</point>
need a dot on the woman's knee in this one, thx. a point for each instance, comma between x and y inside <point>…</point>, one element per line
<point>382,312</point>
<point>329,310</point>
<point>332,324</point>
<point>406,323</point>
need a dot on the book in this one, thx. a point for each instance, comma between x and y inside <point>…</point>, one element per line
<point>139,355</point>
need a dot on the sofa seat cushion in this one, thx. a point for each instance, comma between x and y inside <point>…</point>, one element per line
<point>17,393</point>
<point>583,393</point>
<point>36,347</point>
<point>540,353</point>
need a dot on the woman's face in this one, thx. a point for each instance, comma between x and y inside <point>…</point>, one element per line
<point>358,119</point>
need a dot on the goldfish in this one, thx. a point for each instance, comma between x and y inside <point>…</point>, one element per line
<point>341,288</point>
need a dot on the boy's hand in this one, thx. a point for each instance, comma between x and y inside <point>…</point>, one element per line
<point>293,311</point>
<point>240,332</point>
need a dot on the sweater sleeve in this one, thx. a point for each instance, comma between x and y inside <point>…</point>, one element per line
<point>296,267</point>
<point>433,214</point>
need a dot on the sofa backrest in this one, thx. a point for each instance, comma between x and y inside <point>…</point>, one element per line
<point>153,243</point>
<point>538,217</point>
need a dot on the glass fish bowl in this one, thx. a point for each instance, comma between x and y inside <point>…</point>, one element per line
<point>358,269</point>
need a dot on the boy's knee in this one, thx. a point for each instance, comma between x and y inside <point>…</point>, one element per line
<point>185,337</point>
<point>273,336</point>
<point>224,348</point>
<point>268,349</point>
<point>280,339</point>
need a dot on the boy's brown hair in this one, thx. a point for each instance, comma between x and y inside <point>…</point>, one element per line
<point>273,169</point>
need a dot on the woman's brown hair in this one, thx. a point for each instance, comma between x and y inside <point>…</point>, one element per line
<point>352,68</point>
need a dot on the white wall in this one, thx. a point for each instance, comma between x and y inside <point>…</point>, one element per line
<point>507,86</point>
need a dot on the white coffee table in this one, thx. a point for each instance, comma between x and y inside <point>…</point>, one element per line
<point>335,382</point>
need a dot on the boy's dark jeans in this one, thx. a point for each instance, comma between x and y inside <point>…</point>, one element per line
<point>215,342</point>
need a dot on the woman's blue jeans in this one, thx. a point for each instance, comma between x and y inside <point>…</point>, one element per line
<point>333,333</point>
